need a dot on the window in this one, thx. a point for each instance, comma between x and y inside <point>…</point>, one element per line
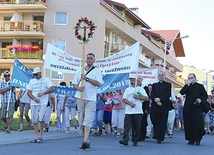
<point>57,75</point>
<point>60,44</point>
<point>60,18</point>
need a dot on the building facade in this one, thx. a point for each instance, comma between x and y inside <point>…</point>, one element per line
<point>38,22</point>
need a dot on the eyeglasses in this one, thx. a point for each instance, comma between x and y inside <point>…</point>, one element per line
<point>36,74</point>
<point>6,75</point>
<point>190,77</point>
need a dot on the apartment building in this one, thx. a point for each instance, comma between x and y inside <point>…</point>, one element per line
<point>52,21</point>
<point>21,33</point>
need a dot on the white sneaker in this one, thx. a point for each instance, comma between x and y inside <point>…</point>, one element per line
<point>67,132</point>
<point>118,134</point>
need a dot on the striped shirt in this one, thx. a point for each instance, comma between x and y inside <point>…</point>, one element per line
<point>5,96</point>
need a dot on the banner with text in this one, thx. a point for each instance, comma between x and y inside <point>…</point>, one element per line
<point>121,62</point>
<point>21,75</point>
<point>149,76</point>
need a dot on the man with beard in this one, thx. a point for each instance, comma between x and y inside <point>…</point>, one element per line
<point>161,104</point>
<point>196,95</point>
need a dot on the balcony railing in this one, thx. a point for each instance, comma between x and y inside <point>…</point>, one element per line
<point>21,25</point>
<point>5,54</point>
<point>22,2</point>
<point>143,59</point>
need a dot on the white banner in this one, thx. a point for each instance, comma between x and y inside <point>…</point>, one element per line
<point>149,76</point>
<point>121,62</point>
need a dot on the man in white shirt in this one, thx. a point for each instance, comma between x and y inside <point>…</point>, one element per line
<point>133,98</point>
<point>38,90</point>
<point>86,105</point>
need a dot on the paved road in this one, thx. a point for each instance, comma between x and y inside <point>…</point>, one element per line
<point>105,145</point>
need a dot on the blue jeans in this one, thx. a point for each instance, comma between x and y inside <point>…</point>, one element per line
<point>98,116</point>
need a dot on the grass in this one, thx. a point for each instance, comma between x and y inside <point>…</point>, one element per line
<point>16,121</point>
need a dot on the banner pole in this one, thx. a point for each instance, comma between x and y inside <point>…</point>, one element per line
<point>83,65</point>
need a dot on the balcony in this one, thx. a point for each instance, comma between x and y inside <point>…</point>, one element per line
<point>5,54</point>
<point>21,28</point>
<point>144,61</point>
<point>22,1</point>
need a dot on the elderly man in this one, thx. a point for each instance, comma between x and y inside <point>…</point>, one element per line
<point>161,104</point>
<point>8,100</point>
<point>38,90</point>
<point>196,95</point>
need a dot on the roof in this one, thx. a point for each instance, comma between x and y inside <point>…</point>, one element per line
<point>172,36</point>
<point>128,12</point>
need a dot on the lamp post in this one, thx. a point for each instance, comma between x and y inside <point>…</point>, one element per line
<point>165,49</point>
<point>210,71</point>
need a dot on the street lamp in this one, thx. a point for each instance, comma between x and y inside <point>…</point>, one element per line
<point>167,45</point>
<point>210,71</point>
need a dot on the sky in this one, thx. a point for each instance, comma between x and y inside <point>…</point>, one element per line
<point>192,17</point>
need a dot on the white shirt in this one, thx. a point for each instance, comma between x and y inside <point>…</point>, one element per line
<point>90,91</point>
<point>39,86</point>
<point>128,94</point>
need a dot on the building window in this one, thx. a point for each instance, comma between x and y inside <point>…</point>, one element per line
<point>60,44</point>
<point>60,18</point>
<point>106,45</point>
<point>57,75</point>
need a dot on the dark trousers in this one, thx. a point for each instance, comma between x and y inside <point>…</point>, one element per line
<point>134,121</point>
<point>143,127</point>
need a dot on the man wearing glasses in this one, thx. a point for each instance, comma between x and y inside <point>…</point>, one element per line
<point>161,104</point>
<point>38,90</point>
<point>8,100</point>
<point>196,95</point>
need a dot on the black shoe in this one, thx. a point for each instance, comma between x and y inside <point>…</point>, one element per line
<point>46,129</point>
<point>159,141</point>
<point>191,142</point>
<point>170,135</point>
<point>95,134</point>
<point>123,142</point>
<point>134,143</point>
<point>197,142</point>
<point>85,145</point>
<point>100,132</point>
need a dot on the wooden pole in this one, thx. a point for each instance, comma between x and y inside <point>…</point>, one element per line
<point>83,61</point>
<point>83,65</point>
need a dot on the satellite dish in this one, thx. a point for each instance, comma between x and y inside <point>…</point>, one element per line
<point>12,51</point>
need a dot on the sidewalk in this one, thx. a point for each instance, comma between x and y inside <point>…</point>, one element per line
<point>26,136</point>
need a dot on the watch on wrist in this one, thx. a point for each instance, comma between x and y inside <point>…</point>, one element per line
<point>87,79</point>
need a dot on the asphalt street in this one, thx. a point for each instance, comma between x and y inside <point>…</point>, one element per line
<point>67,144</point>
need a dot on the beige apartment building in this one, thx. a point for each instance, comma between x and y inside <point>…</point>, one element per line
<point>38,22</point>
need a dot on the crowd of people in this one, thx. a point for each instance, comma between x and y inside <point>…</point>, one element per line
<point>141,111</point>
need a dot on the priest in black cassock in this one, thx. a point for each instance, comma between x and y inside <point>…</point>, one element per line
<point>161,104</point>
<point>196,95</point>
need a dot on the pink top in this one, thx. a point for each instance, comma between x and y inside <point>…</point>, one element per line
<point>108,107</point>
<point>120,105</point>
